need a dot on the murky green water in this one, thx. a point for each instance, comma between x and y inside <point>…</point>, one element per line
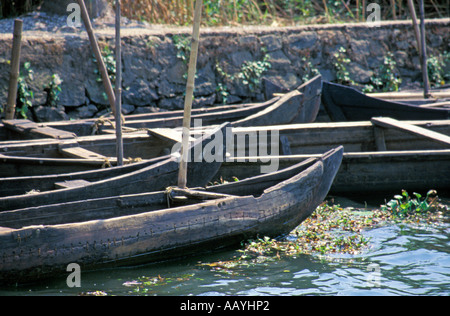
<point>402,259</point>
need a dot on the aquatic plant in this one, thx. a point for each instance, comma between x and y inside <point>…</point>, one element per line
<point>332,229</point>
<point>404,205</point>
<point>145,284</point>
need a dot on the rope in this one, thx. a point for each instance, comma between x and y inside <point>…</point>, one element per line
<point>168,193</point>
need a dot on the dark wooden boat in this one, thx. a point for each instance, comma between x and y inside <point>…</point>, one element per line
<point>136,229</point>
<point>59,149</point>
<point>143,177</point>
<point>298,106</point>
<point>377,159</point>
<point>345,104</point>
<point>53,156</point>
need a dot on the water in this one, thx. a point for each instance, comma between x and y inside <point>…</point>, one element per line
<point>402,259</point>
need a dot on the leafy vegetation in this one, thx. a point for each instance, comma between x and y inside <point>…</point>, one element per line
<point>24,93</point>
<point>340,64</point>
<point>332,229</point>
<point>183,46</point>
<point>387,78</point>
<point>109,59</point>
<point>249,75</point>
<point>437,66</point>
<point>53,89</point>
<point>309,71</point>
<point>404,205</point>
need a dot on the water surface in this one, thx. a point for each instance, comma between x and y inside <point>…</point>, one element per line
<point>401,259</point>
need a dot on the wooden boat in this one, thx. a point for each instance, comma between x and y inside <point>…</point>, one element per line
<point>65,152</point>
<point>53,156</point>
<point>376,158</point>
<point>344,104</point>
<point>147,176</point>
<point>136,229</point>
<point>298,106</point>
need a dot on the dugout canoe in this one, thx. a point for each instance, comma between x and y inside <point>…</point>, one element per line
<point>377,159</point>
<point>136,229</point>
<point>344,104</point>
<point>300,105</point>
<point>147,176</point>
<point>59,141</point>
<point>403,160</point>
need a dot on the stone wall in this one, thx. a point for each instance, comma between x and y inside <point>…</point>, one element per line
<point>154,72</point>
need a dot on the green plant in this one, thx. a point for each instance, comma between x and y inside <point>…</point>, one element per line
<point>53,89</point>
<point>182,44</point>
<point>110,64</point>
<point>222,92</point>
<point>387,78</point>
<point>309,71</point>
<point>404,205</point>
<point>340,62</point>
<point>24,94</point>
<point>436,72</point>
<point>252,71</point>
<point>249,75</point>
<point>446,57</point>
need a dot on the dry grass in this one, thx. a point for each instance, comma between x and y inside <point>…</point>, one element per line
<point>272,12</point>
<point>244,12</point>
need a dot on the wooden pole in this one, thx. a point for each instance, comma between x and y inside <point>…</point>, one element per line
<point>423,45</point>
<point>118,103</point>
<point>15,68</point>
<point>182,175</point>
<point>412,10</point>
<point>98,56</point>
<point>394,13</point>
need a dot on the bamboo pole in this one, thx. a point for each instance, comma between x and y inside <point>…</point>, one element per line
<point>15,68</point>
<point>423,45</point>
<point>98,56</point>
<point>394,13</point>
<point>412,11</point>
<point>182,175</point>
<point>118,103</point>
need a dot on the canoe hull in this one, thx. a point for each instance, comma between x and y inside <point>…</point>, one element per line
<point>38,252</point>
<point>347,104</point>
<point>153,177</point>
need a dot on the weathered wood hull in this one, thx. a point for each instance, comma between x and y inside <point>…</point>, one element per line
<point>307,140</point>
<point>406,162</point>
<point>154,176</point>
<point>298,106</point>
<point>139,229</point>
<point>370,173</point>
<point>344,103</point>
